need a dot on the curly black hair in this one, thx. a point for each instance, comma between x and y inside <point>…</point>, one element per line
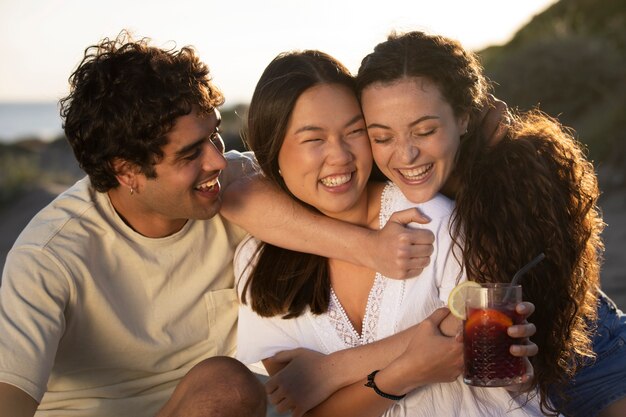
<point>125,96</point>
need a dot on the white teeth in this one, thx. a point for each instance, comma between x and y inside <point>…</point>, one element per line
<point>415,173</point>
<point>336,180</point>
<point>207,185</point>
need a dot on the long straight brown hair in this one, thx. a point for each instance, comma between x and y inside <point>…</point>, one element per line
<point>284,282</point>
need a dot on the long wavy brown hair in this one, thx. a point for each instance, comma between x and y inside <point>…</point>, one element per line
<point>533,192</point>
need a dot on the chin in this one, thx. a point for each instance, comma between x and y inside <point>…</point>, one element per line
<point>208,213</point>
<point>420,197</point>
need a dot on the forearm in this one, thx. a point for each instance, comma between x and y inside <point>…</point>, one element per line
<point>271,215</point>
<point>354,400</point>
<point>16,403</point>
<point>305,378</point>
<point>351,365</point>
<point>361,401</point>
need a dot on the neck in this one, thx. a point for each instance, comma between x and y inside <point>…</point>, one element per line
<point>360,214</point>
<point>139,218</point>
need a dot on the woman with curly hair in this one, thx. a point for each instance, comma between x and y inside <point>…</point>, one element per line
<point>532,192</point>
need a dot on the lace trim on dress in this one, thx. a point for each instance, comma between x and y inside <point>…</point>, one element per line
<point>386,204</point>
<point>341,322</point>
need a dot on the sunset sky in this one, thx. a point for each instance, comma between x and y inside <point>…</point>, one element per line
<point>41,41</point>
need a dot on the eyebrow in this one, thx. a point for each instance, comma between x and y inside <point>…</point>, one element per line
<point>310,128</point>
<point>187,149</point>
<point>413,123</point>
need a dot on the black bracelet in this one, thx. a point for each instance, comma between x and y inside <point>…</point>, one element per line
<point>371,384</point>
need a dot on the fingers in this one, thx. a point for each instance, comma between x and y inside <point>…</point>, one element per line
<point>419,248</point>
<point>283,405</point>
<point>421,243</point>
<point>438,315</point>
<point>495,122</point>
<point>520,331</point>
<point>527,350</point>
<point>504,122</point>
<point>406,250</point>
<point>271,388</point>
<point>525,308</point>
<point>418,261</point>
<point>412,215</point>
<point>415,254</point>
<point>410,273</point>
<point>284,355</point>
<point>277,397</point>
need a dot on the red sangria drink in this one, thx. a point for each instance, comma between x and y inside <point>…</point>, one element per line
<point>490,310</point>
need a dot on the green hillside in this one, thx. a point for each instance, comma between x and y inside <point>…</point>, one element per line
<point>570,61</point>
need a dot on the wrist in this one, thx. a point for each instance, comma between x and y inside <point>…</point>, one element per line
<point>371,383</point>
<point>358,247</point>
<point>340,373</point>
<point>393,380</point>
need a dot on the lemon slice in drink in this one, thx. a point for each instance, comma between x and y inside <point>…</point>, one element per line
<point>456,299</point>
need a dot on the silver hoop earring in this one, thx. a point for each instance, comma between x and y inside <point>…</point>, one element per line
<point>132,191</point>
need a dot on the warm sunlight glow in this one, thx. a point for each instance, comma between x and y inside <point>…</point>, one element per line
<point>42,41</point>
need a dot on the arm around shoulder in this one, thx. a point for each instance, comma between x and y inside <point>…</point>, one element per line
<point>16,403</point>
<point>269,214</point>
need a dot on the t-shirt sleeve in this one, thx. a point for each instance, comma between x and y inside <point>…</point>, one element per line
<point>33,296</point>
<point>239,165</point>
<point>258,337</point>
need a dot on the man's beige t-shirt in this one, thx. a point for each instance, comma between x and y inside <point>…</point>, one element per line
<point>100,320</point>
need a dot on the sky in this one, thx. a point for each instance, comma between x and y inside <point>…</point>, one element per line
<point>42,41</point>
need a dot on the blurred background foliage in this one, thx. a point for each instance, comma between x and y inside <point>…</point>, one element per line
<point>569,61</point>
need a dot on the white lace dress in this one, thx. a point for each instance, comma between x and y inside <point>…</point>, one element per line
<point>393,305</point>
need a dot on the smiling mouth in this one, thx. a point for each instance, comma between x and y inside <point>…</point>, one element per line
<point>207,185</point>
<point>336,180</point>
<point>416,174</point>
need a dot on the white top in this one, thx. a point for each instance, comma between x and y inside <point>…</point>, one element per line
<point>393,305</point>
<point>98,320</point>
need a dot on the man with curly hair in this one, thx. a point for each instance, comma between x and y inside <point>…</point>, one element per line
<point>118,298</point>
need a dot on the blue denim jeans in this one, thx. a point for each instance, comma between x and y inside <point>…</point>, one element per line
<point>603,381</point>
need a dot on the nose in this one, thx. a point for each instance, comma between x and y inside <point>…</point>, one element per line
<point>339,152</point>
<point>407,150</point>
<point>213,155</point>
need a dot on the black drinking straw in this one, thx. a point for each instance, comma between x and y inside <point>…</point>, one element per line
<point>518,275</point>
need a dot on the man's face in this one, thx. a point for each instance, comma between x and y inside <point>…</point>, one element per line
<point>186,184</point>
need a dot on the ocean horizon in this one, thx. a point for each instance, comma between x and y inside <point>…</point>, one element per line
<point>27,120</point>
